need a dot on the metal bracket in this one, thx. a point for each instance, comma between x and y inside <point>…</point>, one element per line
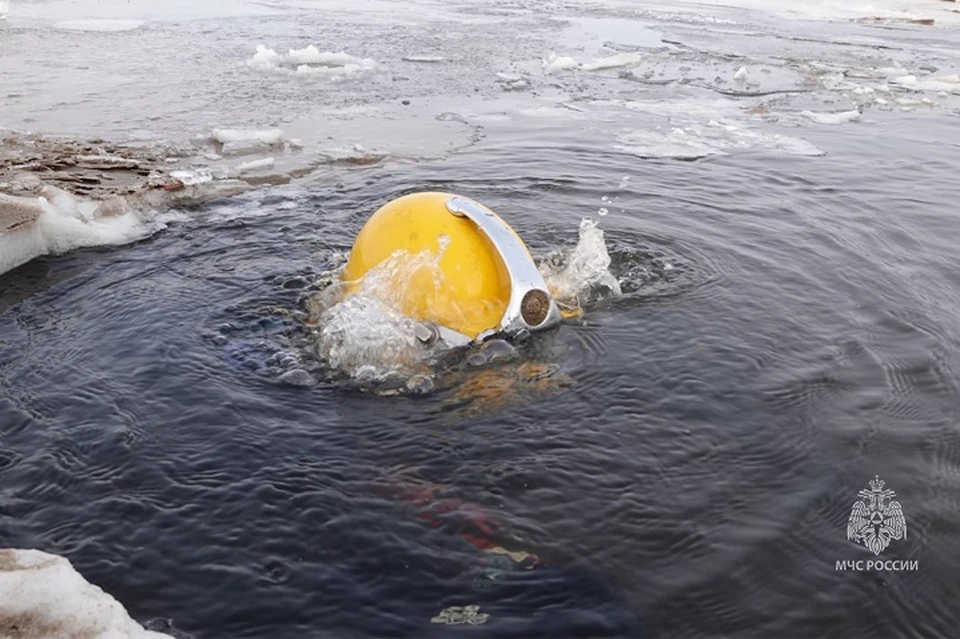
<point>530,307</point>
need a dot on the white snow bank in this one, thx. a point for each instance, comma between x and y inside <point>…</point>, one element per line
<point>311,61</point>
<point>61,223</point>
<point>41,595</point>
<point>269,137</point>
<point>103,25</point>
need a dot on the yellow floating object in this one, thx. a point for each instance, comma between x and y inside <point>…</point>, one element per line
<point>484,281</point>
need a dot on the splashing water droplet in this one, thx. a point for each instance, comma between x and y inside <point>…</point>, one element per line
<point>365,335</point>
<point>602,210</point>
<point>581,275</point>
<point>443,242</point>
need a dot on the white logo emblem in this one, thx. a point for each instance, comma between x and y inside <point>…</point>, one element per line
<point>874,523</point>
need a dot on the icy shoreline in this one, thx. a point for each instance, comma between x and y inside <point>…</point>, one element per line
<point>59,194</point>
<point>42,595</point>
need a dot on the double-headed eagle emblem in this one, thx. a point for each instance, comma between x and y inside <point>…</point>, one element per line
<point>874,523</point>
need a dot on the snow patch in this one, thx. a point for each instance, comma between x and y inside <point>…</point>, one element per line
<point>62,222</point>
<point>48,598</point>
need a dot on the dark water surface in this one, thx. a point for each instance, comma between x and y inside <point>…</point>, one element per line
<point>688,471</point>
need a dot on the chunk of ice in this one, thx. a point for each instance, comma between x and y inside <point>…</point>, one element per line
<point>841,117</point>
<point>60,222</point>
<point>612,62</point>
<point>423,58</point>
<point>102,25</point>
<point>553,63</point>
<point>948,83</point>
<point>190,178</point>
<point>48,598</point>
<point>310,61</point>
<point>255,165</point>
<point>264,136</point>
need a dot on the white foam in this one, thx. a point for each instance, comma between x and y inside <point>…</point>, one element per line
<point>310,61</point>
<point>366,335</point>
<point>63,223</point>
<point>102,25</point>
<point>263,136</point>
<point>581,275</point>
<point>48,598</point>
<point>612,62</point>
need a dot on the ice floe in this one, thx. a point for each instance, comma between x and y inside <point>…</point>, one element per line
<point>57,222</point>
<point>697,141</point>
<point>553,63</point>
<point>256,165</point>
<point>192,177</point>
<point>42,595</point>
<point>423,58</point>
<point>840,117</point>
<point>310,61</point>
<point>264,136</point>
<point>102,25</point>
<point>691,129</point>
<point>612,62</point>
<point>947,83</point>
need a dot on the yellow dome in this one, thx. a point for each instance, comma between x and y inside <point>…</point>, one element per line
<point>467,290</point>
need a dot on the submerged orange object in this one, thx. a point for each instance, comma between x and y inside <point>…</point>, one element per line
<point>446,259</point>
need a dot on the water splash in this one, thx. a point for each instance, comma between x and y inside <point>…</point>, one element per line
<point>366,335</point>
<point>582,275</point>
